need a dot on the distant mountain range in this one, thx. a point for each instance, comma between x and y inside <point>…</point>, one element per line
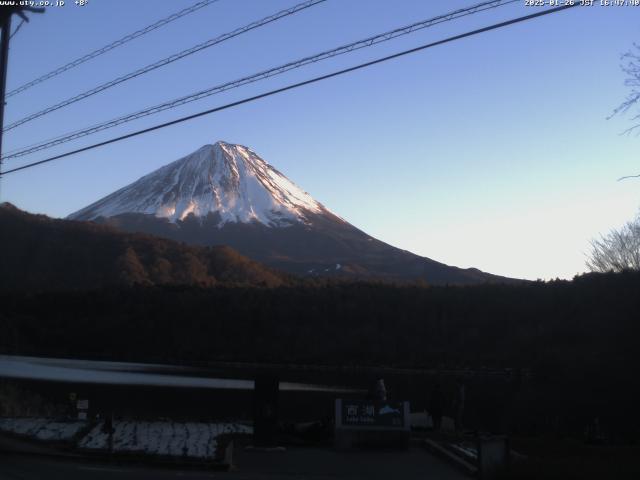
<point>44,254</point>
<point>225,194</point>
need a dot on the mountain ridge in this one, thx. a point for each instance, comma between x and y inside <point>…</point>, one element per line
<point>225,194</point>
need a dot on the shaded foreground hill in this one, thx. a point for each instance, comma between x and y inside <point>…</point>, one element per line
<point>40,253</point>
<point>579,337</point>
<point>147,299</point>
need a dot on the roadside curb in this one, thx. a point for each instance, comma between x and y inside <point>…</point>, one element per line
<point>19,445</point>
<point>450,457</point>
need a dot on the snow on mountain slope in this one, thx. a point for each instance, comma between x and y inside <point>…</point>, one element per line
<point>225,194</point>
<point>223,178</point>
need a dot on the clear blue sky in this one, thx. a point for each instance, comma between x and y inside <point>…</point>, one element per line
<point>493,151</point>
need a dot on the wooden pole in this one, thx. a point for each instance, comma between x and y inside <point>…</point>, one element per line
<point>4,62</point>
<point>5,24</point>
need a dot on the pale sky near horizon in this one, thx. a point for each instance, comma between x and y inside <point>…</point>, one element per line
<point>492,152</point>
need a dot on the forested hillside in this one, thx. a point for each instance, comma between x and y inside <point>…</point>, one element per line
<point>44,254</point>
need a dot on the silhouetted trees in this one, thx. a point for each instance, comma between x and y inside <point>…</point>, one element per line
<point>139,298</point>
<point>540,324</point>
<point>618,250</point>
<point>579,337</point>
<point>40,253</point>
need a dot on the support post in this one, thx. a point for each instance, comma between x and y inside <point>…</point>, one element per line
<point>5,24</point>
<point>4,62</point>
<point>265,411</point>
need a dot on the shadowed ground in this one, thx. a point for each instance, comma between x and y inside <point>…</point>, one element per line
<point>294,463</point>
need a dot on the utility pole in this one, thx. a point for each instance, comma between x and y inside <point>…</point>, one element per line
<point>4,61</point>
<point>5,24</point>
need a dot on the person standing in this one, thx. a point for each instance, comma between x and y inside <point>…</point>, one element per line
<point>377,392</point>
<point>380,391</point>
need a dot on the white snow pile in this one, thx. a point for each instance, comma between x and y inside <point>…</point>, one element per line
<point>42,428</point>
<point>191,439</point>
<point>223,178</point>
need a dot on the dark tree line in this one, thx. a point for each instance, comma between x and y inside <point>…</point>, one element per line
<point>579,337</point>
<point>330,322</point>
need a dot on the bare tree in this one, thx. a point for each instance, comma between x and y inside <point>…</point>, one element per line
<point>631,67</point>
<point>618,250</point>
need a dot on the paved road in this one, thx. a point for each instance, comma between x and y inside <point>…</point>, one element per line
<point>23,467</point>
<point>306,463</point>
<point>294,464</point>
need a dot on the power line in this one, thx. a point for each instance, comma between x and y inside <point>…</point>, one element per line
<point>16,31</point>
<point>367,42</point>
<point>166,61</point>
<point>297,85</point>
<point>111,46</point>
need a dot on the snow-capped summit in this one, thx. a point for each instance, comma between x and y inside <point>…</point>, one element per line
<point>227,179</point>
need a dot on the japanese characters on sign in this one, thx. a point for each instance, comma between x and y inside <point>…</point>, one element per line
<point>367,413</point>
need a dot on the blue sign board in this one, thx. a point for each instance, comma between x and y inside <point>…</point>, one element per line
<point>364,413</point>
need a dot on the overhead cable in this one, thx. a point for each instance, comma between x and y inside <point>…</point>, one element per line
<point>165,61</point>
<point>367,42</point>
<point>296,85</point>
<point>117,43</point>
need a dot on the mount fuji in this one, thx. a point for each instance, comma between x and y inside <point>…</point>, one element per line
<point>225,194</point>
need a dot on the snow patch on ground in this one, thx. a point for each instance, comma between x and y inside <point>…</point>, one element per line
<point>42,428</point>
<point>190,439</point>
